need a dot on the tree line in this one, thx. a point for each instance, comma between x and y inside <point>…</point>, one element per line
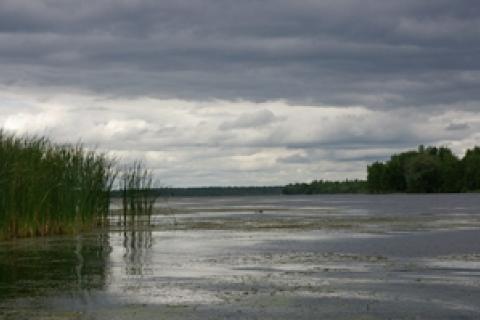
<point>217,191</point>
<point>426,170</point>
<point>327,187</point>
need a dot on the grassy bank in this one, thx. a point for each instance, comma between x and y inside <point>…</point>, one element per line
<point>47,188</point>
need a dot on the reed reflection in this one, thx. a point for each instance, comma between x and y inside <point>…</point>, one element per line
<point>137,244</point>
<point>44,266</point>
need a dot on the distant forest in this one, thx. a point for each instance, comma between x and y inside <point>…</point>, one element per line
<point>217,191</point>
<point>326,187</point>
<point>426,170</point>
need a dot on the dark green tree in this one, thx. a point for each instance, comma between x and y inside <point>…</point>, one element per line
<point>428,169</point>
<point>451,171</point>
<point>376,177</point>
<point>471,165</point>
<point>423,174</point>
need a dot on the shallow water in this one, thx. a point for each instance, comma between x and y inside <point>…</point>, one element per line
<point>302,257</point>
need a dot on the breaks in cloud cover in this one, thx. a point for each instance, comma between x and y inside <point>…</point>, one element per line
<point>230,92</point>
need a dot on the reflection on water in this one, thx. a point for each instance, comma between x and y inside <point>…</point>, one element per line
<point>74,265</point>
<point>37,267</point>
<point>137,245</point>
<point>139,261</point>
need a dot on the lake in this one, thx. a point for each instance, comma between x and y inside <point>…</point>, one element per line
<point>277,257</point>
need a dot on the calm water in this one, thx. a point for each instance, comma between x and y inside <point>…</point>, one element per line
<point>304,257</point>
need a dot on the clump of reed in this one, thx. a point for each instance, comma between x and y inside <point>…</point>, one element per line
<point>138,197</point>
<point>47,188</point>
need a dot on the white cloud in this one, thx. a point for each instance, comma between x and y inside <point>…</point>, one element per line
<point>233,142</point>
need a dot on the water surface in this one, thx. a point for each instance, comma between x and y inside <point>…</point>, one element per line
<point>302,257</point>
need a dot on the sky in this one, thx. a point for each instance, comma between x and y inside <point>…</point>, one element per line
<point>252,92</point>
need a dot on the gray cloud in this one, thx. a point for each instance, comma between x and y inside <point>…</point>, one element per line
<point>250,120</point>
<point>457,126</point>
<point>377,53</point>
<point>265,143</point>
<point>296,158</point>
<point>212,92</point>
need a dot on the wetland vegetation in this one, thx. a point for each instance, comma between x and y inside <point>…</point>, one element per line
<point>137,195</point>
<point>48,188</point>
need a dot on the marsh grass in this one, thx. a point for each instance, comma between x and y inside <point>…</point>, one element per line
<point>138,198</point>
<point>46,188</point>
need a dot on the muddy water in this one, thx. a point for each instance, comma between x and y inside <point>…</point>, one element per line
<point>331,257</point>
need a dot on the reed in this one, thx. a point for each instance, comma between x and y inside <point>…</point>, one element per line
<point>51,189</point>
<point>138,198</point>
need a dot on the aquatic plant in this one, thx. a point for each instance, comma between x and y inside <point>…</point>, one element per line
<point>46,188</point>
<point>138,197</point>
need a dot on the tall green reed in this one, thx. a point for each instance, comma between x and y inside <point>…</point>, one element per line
<point>138,198</point>
<point>51,189</point>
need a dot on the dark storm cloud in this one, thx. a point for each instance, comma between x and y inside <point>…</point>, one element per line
<point>377,53</point>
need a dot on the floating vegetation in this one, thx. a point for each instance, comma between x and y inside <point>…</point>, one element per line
<point>46,188</point>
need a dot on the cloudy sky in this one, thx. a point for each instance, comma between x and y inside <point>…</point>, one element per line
<point>253,92</point>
